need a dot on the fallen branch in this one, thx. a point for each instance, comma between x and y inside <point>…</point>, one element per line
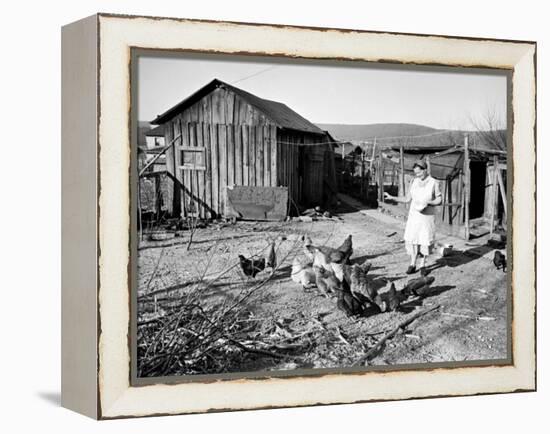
<point>392,333</point>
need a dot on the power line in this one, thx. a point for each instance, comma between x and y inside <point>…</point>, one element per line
<point>254,75</point>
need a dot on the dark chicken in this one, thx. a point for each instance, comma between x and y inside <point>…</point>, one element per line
<point>419,286</point>
<point>251,267</point>
<point>360,283</point>
<point>348,303</point>
<point>499,260</point>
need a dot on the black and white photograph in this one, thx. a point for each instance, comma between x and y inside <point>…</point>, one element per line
<point>297,216</point>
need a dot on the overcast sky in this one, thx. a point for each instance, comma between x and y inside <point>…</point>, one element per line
<point>335,92</point>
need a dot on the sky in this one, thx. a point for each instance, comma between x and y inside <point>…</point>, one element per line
<point>331,92</point>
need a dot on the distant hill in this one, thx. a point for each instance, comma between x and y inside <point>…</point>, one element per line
<point>412,135</point>
<point>369,131</point>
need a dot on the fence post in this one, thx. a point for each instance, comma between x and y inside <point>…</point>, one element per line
<point>467,192</point>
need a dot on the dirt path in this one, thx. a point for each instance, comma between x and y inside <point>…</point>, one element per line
<point>470,323</point>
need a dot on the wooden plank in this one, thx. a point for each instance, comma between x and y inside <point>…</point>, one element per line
<point>180,196</point>
<point>246,149</point>
<point>238,155</point>
<point>222,138</point>
<point>259,156</point>
<point>502,191</point>
<point>267,155</point>
<point>201,173</point>
<point>274,155</point>
<point>193,199</point>
<point>230,140</point>
<point>208,175</point>
<point>214,146</point>
<point>380,177</point>
<point>252,155</point>
<point>450,199</point>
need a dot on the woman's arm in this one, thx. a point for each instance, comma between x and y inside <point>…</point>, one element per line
<point>401,199</point>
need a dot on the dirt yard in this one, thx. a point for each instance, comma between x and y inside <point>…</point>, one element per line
<point>284,326</point>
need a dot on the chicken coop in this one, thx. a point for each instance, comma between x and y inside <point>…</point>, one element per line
<point>222,136</point>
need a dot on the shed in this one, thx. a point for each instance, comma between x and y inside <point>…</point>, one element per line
<point>223,136</point>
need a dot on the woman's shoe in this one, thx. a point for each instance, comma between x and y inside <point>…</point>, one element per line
<point>411,269</point>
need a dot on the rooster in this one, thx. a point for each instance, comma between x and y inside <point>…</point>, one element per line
<point>419,286</point>
<point>302,274</point>
<point>347,249</point>
<point>499,260</point>
<point>251,267</point>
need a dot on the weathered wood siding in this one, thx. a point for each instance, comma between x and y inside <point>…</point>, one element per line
<point>234,155</point>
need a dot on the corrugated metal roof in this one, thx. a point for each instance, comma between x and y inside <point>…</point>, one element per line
<point>277,112</point>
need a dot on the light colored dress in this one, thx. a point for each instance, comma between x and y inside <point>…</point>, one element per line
<point>420,229</point>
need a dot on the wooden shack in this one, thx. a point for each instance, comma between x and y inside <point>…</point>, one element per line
<point>223,136</point>
<point>472,181</point>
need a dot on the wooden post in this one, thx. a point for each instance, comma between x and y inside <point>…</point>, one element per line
<point>494,198</point>
<point>402,173</point>
<point>502,191</point>
<point>460,197</point>
<point>450,198</point>
<point>380,177</point>
<point>428,165</point>
<point>467,193</point>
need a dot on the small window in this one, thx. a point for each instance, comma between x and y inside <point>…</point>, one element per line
<point>192,158</point>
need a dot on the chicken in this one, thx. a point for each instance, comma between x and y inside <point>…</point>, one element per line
<point>349,303</point>
<point>271,258</point>
<point>302,274</point>
<point>307,242</point>
<point>251,267</point>
<point>393,299</point>
<point>499,260</point>
<point>347,249</point>
<point>326,281</point>
<point>365,266</point>
<point>419,286</point>
<point>360,283</point>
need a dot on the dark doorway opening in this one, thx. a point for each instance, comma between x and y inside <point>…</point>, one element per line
<point>478,176</point>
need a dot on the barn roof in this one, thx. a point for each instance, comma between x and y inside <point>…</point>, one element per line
<point>279,113</point>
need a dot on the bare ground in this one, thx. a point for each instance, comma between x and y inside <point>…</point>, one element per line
<point>307,329</point>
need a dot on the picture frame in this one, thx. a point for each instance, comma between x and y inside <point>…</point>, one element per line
<point>97,223</point>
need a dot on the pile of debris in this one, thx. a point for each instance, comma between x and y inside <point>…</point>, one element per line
<point>313,214</point>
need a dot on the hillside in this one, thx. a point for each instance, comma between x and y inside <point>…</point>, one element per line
<point>369,131</point>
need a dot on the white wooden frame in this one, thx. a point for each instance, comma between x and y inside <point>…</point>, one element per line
<point>96,218</point>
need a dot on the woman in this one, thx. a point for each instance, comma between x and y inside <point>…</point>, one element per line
<point>424,195</point>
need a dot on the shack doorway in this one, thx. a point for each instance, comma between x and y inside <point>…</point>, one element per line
<point>478,174</point>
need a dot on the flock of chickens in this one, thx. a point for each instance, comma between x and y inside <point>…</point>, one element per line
<point>330,270</point>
